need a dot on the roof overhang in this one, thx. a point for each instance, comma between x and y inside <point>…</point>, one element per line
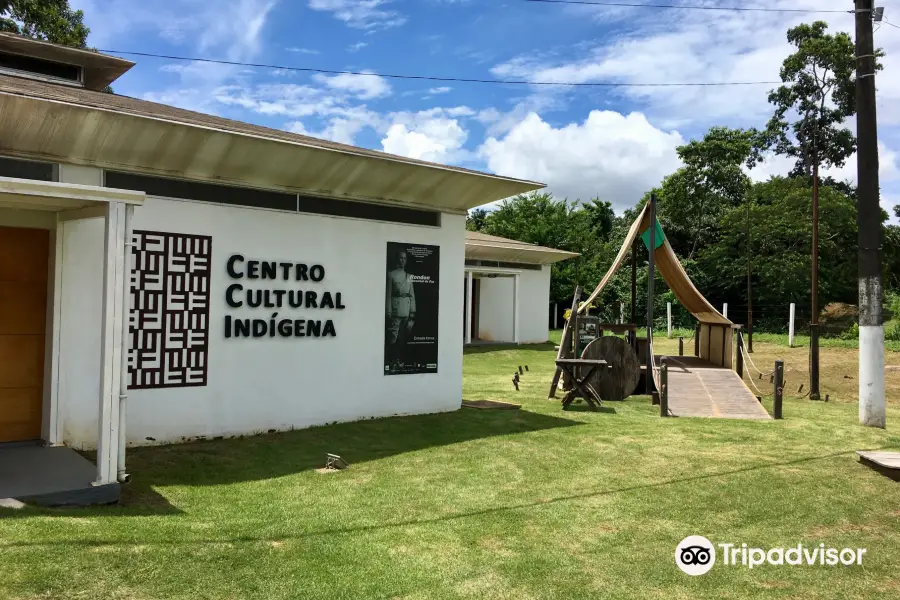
<point>38,128</point>
<point>536,255</point>
<point>100,70</point>
<point>27,194</point>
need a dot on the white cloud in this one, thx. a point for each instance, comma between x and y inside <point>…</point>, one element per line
<point>436,140</point>
<point>362,86</point>
<point>302,50</point>
<point>369,15</point>
<point>888,173</point>
<point>888,167</point>
<point>230,29</point>
<point>440,90</point>
<point>340,129</point>
<point>696,46</point>
<point>356,47</point>
<point>613,156</point>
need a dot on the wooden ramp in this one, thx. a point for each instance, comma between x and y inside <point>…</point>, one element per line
<point>698,388</point>
<point>886,463</point>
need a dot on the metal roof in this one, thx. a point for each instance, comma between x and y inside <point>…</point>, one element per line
<point>481,246</point>
<point>41,120</point>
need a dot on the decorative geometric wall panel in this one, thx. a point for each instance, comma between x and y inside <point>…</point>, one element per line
<point>169,321</point>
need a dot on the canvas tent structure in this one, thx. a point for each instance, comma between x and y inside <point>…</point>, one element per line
<point>716,331</point>
<point>704,385</point>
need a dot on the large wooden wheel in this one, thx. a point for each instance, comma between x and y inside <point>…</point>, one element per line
<point>620,381</point>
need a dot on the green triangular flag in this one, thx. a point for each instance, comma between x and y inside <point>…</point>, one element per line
<point>659,238</point>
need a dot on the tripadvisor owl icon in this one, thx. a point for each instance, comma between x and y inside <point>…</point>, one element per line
<point>695,555</point>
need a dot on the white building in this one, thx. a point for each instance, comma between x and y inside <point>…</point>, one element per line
<point>214,276</point>
<point>507,289</point>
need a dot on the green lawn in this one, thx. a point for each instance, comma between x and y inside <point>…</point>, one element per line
<point>536,503</point>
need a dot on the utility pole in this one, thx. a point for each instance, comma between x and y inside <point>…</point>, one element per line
<point>871,321</point>
<point>651,277</point>
<point>814,323</point>
<point>749,286</point>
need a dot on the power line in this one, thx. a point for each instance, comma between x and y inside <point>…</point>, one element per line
<point>690,7</point>
<point>889,23</point>
<point>435,78</point>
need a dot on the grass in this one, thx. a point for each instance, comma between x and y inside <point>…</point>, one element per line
<point>536,503</point>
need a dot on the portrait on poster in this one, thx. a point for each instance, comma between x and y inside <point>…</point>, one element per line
<point>411,309</point>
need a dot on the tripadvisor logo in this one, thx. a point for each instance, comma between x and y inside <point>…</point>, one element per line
<point>696,555</point>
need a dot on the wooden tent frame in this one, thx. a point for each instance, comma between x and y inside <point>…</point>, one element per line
<point>716,334</point>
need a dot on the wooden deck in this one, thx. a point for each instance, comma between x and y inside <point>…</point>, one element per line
<point>700,389</point>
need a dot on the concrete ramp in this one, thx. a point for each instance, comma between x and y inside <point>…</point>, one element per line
<point>698,388</point>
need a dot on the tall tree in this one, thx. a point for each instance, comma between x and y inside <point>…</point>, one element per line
<point>475,219</point>
<point>601,216</point>
<point>48,20</point>
<point>781,257</point>
<point>693,199</point>
<point>819,94</point>
<point>543,220</point>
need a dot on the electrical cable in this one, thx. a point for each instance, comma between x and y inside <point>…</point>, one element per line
<point>437,78</point>
<point>689,7</point>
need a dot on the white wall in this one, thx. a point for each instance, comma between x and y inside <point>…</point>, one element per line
<point>267,383</point>
<point>495,309</point>
<point>535,297</point>
<point>495,319</point>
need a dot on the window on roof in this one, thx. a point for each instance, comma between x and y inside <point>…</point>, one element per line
<point>225,194</point>
<point>40,66</point>
<point>502,265</point>
<point>27,169</point>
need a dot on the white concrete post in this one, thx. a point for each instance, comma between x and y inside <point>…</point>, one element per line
<point>791,326</point>
<point>669,316</point>
<point>469,280</point>
<point>725,310</point>
<point>111,343</point>
<point>872,399</point>
<point>621,313</point>
<point>516,288</point>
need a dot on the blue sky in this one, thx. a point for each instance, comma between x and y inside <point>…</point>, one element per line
<point>614,143</point>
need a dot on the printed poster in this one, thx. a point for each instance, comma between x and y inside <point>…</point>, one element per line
<point>411,309</point>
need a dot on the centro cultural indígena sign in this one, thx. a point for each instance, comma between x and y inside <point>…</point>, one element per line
<point>277,324</point>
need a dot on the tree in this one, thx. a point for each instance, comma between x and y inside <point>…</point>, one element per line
<point>601,216</point>
<point>693,199</point>
<point>48,20</point>
<point>541,219</point>
<point>819,88</point>
<point>781,257</point>
<point>892,258</point>
<point>897,211</point>
<point>475,219</point>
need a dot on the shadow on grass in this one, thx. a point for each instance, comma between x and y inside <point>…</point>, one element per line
<point>274,455</point>
<point>217,462</point>
<point>609,410</point>
<point>454,517</point>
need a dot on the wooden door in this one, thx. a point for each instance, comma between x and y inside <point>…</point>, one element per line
<point>24,260</point>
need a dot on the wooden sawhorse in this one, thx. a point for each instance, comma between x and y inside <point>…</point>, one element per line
<point>582,389</point>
